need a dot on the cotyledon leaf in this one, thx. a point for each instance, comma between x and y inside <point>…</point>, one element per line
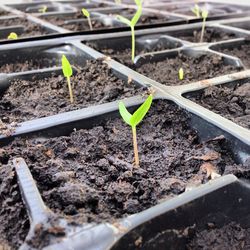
<point>124,113</point>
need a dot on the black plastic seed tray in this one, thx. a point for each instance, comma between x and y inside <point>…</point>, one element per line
<point>62,201</point>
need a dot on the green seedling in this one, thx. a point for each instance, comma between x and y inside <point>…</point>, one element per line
<point>134,120</point>
<point>86,13</point>
<point>43,9</point>
<point>181,74</point>
<point>204,15</point>
<point>12,36</point>
<point>131,23</point>
<point>118,1</point>
<point>67,72</point>
<point>196,10</point>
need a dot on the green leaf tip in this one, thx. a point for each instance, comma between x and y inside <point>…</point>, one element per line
<point>85,12</point>
<point>139,114</point>
<point>181,74</point>
<point>12,36</point>
<point>66,67</point>
<point>204,14</point>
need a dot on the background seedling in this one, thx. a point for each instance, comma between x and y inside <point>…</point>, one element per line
<point>86,13</point>
<point>118,1</point>
<point>67,71</point>
<point>181,74</point>
<point>204,15</point>
<point>12,36</point>
<point>131,23</point>
<point>43,9</point>
<point>134,120</point>
<point>196,10</point>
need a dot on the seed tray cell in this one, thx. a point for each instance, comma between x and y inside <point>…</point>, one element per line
<point>237,49</point>
<point>229,100</point>
<point>18,60</point>
<point>37,7</point>
<point>23,27</point>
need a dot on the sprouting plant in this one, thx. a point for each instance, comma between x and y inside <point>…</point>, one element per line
<point>196,10</point>
<point>67,72</point>
<point>204,15</point>
<point>131,23</point>
<point>12,36</point>
<point>181,74</point>
<point>117,1</point>
<point>86,13</point>
<point>43,9</point>
<point>134,120</point>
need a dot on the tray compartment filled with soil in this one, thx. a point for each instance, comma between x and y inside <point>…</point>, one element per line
<point>238,49</point>
<point>212,34</point>
<point>231,100</point>
<point>217,220</point>
<point>119,48</point>
<point>111,192</point>
<point>38,7</point>
<point>29,58</point>
<point>23,27</point>
<point>214,9</point>
<point>77,22</point>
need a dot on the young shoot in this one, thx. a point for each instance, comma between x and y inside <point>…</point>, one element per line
<point>204,15</point>
<point>67,72</point>
<point>181,74</point>
<point>196,10</point>
<point>86,14</point>
<point>134,120</point>
<point>131,23</point>
<point>43,9</point>
<point>12,36</point>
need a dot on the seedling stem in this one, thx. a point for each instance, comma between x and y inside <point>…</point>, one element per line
<point>134,120</point>
<point>131,23</point>
<point>204,15</point>
<point>86,13</point>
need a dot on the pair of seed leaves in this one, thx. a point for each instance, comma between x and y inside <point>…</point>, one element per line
<point>136,118</point>
<point>135,18</point>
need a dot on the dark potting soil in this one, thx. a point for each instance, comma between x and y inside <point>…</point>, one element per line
<point>14,222</point>
<point>195,69</point>
<point>123,55</point>
<point>210,35</point>
<point>230,236</point>
<point>29,28</point>
<point>242,52</point>
<point>24,64</point>
<point>231,103</point>
<point>75,22</point>
<point>93,84</point>
<point>88,176</point>
<point>3,13</point>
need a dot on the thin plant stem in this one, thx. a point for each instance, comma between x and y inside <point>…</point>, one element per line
<point>70,90</point>
<point>133,42</point>
<point>90,24</point>
<point>136,155</point>
<point>203,29</point>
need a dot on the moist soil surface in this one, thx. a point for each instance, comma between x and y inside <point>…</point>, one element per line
<point>75,22</point>
<point>123,55</point>
<point>210,35</point>
<point>230,236</point>
<point>35,98</point>
<point>29,28</point>
<point>195,69</point>
<point>242,52</point>
<point>3,13</point>
<point>24,64</point>
<point>88,175</point>
<point>231,103</point>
